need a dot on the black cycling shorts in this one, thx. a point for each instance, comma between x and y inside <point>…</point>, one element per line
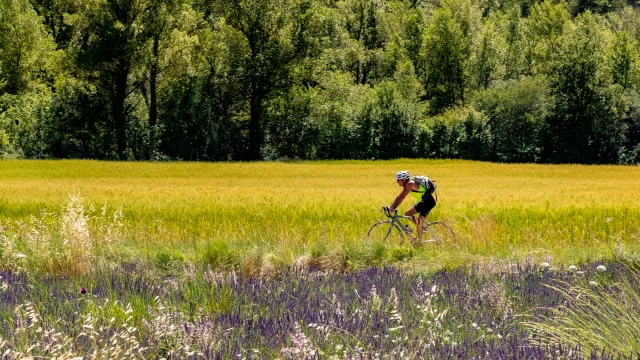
<point>425,206</point>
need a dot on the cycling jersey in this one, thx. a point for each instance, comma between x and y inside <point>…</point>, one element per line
<point>420,192</point>
<point>426,202</point>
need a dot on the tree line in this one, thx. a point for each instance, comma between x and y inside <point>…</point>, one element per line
<point>549,81</point>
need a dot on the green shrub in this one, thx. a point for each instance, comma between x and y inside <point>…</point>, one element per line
<point>169,259</point>
<point>219,255</point>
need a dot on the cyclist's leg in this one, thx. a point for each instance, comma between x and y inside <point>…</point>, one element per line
<point>429,204</point>
<point>421,220</point>
<point>419,208</point>
<point>412,211</point>
<point>426,205</point>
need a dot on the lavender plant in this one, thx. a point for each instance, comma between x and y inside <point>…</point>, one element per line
<point>373,313</point>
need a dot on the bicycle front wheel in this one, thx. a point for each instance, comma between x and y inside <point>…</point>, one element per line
<point>384,231</point>
<point>439,233</point>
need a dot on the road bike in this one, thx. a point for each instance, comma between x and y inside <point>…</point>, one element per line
<point>395,231</point>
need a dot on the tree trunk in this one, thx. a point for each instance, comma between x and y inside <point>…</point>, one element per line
<point>118,111</point>
<point>255,133</point>
<point>153,79</point>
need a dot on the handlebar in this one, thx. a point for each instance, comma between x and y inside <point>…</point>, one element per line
<point>385,210</point>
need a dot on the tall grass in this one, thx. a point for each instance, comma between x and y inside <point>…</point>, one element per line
<point>595,316</point>
<point>67,242</point>
<point>262,215</point>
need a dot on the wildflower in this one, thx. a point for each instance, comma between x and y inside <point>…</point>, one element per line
<point>573,268</point>
<point>579,272</point>
<point>302,347</point>
<point>83,290</point>
<point>593,283</point>
<point>601,268</point>
<point>544,265</point>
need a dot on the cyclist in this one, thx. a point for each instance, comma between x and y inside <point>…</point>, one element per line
<point>426,202</point>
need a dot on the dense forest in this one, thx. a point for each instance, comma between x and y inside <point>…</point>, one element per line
<point>497,80</point>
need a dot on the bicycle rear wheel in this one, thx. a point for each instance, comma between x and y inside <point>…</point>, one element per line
<point>384,231</point>
<point>439,233</point>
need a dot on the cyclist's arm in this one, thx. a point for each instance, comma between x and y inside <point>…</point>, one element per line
<point>405,191</point>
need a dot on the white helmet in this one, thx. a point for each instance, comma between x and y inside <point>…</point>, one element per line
<point>402,175</point>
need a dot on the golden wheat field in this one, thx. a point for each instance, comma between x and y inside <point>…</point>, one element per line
<point>278,212</point>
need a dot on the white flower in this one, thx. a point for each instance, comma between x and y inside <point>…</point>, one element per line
<point>474,325</point>
<point>593,283</point>
<point>544,265</point>
<point>573,268</point>
<point>601,268</point>
<point>579,272</point>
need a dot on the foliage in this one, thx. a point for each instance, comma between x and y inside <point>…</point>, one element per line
<point>27,53</point>
<point>584,126</point>
<point>461,133</point>
<point>516,112</point>
<point>447,48</point>
<point>307,79</point>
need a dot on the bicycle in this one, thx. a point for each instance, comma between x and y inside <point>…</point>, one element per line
<point>436,232</point>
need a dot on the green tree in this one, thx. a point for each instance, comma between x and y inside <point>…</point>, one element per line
<point>371,56</point>
<point>623,59</point>
<point>447,48</point>
<point>395,128</point>
<point>29,68</point>
<point>27,53</point>
<point>414,36</point>
<point>584,124</point>
<point>595,6</point>
<point>486,57</point>
<point>266,53</point>
<point>513,35</point>
<point>461,133</point>
<point>110,52</point>
<point>544,29</point>
<point>171,31</point>
<point>53,14</point>
<point>516,112</point>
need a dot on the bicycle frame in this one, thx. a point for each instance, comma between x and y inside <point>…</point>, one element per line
<point>395,220</point>
<point>434,235</point>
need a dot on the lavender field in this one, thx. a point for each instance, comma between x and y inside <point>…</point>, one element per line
<point>494,312</point>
